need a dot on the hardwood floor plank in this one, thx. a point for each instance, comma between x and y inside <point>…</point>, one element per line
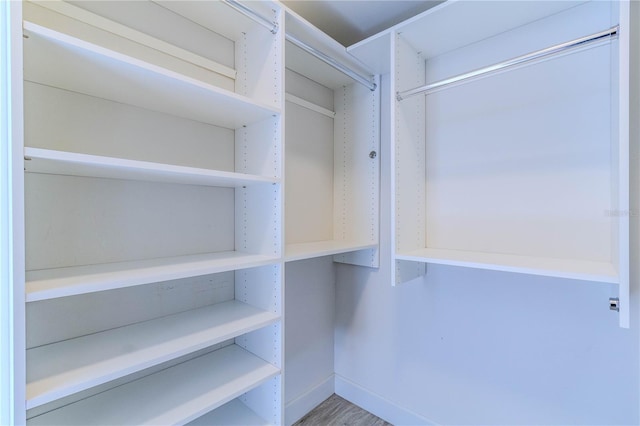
<point>337,411</point>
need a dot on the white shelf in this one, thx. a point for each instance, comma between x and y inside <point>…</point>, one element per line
<point>323,248</point>
<point>561,268</point>
<point>233,413</point>
<point>56,59</point>
<point>101,357</point>
<point>311,67</point>
<point>74,164</point>
<point>498,17</point>
<point>61,282</point>
<point>176,395</point>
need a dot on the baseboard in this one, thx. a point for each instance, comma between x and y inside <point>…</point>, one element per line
<point>376,404</point>
<point>309,400</point>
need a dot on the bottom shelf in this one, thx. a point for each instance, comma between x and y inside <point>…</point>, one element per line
<point>561,268</point>
<point>302,251</point>
<point>233,413</point>
<point>176,395</point>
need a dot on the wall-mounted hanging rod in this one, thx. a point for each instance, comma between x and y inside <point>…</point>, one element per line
<point>252,14</point>
<point>365,81</point>
<point>539,54</point>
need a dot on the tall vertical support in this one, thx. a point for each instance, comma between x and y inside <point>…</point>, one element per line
<point>12,323</point>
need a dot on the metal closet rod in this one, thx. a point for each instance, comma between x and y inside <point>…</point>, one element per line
<point>539,54</point>
<point>250,13</point>
<point>365,81</point>
<point>273,27</point>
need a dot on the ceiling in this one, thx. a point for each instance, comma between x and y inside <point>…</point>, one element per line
<point>349,21</point>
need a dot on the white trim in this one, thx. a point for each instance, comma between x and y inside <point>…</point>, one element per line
<point>6,305</point>
<point>97,21</point>
<point>306,104</point>
<point>303,404</point>
<point>376,404</point>
<point>12,356</point>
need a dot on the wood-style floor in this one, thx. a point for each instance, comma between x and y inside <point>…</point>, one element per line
<point>336,411</point>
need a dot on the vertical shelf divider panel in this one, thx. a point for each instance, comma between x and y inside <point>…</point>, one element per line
<point>408,160</point>
<point>357,171</point>
<point>464,154</point>
<point>211,305</point>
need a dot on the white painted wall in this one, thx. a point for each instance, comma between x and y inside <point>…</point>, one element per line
<point>469,346</point>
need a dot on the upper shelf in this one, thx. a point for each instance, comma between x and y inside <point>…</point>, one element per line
<point>431,33</point>
<point>74,164</point>
<point>310,66</point>
<point>56,59</point>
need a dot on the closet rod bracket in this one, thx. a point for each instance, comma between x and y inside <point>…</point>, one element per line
<point>614,304</point>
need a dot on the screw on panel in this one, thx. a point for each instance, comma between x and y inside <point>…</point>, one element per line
<point>614,304</point>
<point>373,154</point>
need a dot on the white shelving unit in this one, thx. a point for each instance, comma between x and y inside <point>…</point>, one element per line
<point>153,185</point>
<point>332,171</point>
<point>504,171</point>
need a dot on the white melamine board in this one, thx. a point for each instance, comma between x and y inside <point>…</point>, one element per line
<point>356,165</point>
<point>265,342</point>
<point>260,287</point>
<point>455,24</point>
<point>61,369</point>
<point>308,90</point>
<point>586,19</point>
<point>303,63</point>
<point>407,159</point>
<point>146,22</point>
<point>302,251</point>
<point>67,121</point>
<point>562,268</point>
<point>260,65</point>
<point>173,396</point>
<point>258,148</point>
<point>258,220</point>
<point>61,282</point>
<point>74,221</point>
<point>222,18</point>
<point>63,318</point>
<point>375,52</point>
<point>233,413</point>
<point>520,163</point>
<point>59,60</point>
<point>73,164</point>
<point>309,176</point>
<point>205,56</point>
<point>266,400</point>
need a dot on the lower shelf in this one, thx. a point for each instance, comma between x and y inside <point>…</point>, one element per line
<point>62,282</point>
<point>323,248</point>
<point>561,268</point>
<point>60,369</point>
<point>233,413</point>
<point>176,395</point>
